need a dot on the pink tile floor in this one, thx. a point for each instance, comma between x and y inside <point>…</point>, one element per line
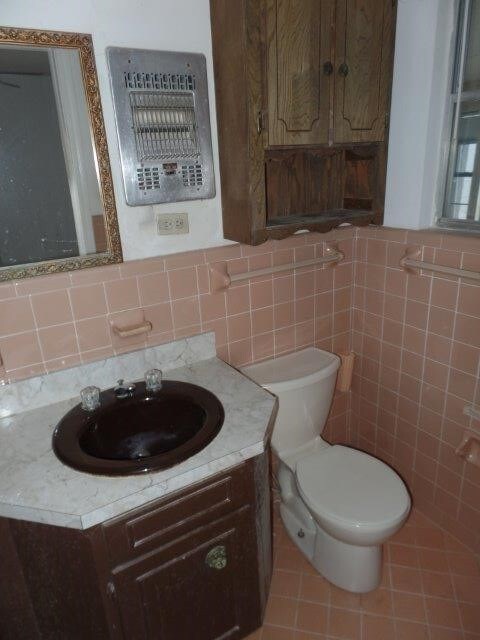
<point>430,591</point>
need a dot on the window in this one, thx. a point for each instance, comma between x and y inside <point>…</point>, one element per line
<point>461,208</point>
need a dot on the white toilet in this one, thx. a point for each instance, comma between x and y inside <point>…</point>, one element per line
<point>338,504</point>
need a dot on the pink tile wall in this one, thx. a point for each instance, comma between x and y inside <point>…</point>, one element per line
<point>417,338</point>
<point>58,321</point>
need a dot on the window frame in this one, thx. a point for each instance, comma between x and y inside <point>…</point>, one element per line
<point>451,123</point>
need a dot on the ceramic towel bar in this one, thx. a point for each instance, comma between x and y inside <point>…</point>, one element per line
<point>472,411</point>
<point>220,278</point>
<point>136,330</point>
<point>469,448</point>
<point>411,263</point>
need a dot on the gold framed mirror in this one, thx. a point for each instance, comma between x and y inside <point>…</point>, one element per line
<point>57,204</point>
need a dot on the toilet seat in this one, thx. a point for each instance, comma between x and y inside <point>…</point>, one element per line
<point>351,493</point>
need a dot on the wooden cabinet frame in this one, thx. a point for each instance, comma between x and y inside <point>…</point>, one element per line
<point>256,125</point>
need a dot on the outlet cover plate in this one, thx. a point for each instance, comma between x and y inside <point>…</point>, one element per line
<point>172,223</point>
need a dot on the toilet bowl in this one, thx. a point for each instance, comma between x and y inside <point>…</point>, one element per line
<point>339,505</point>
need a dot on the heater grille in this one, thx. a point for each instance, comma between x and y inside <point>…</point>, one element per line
<point>159,81</point>
<point>163,125</point>
<point>148,178</point>
<point>192,175</point>
<point>151,177</point>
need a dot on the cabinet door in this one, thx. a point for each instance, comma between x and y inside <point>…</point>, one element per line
<point>363,67</point>
<point>299,71</point>
<point>205,586</point>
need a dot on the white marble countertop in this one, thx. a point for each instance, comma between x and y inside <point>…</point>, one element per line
<point>36,486</point>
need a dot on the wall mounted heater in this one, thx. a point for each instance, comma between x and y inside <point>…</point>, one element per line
<point>163,125</point>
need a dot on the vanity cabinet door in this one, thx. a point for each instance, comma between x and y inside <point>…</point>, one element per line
<point>363,68</point>
<point>204,586</point>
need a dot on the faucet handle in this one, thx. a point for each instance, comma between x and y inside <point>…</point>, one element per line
<point>90,397</point>
<point>153,380</point>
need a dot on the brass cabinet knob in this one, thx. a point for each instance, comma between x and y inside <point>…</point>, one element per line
<point>216,558</point>
<point>343,69</point>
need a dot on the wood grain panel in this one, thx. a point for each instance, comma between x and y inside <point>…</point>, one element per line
<point>298,44</point>
<point>284,227</point>
<point>285,177</point>
<point>298,64</point>
<point>364,51</point>
<point>303,181</point>
<point>59,571</point>
<point>324,180</point>
<point>17,618</point>
<point>365,179</point>
<point>237,41</point>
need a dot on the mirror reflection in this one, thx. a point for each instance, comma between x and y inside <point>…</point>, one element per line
<point>51,205</point>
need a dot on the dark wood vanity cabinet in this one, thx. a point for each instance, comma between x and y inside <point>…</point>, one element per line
<point>302,96</point>
<point>197,588</point>
<point>194,565</point>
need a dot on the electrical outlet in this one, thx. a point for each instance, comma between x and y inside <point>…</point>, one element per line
<point>171,223</point>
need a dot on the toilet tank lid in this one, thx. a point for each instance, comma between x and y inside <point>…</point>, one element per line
<point>293,370</point>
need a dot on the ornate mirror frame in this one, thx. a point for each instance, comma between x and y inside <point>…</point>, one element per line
<point>83,44</point>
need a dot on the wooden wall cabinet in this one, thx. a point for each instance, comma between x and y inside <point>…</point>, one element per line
<point>302,87</point>
<point>193,565</point>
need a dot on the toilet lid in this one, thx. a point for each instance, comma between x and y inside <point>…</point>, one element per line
<point>349,486</point>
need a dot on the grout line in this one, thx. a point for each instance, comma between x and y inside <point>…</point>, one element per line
<point>380,357</point>
<point>77,339</point>
<point>422,387</point>
<point>442,429</point>
<point>250,312</point>
<point>37,333</point>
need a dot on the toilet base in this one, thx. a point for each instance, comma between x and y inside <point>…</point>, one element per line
<point>350,567</point>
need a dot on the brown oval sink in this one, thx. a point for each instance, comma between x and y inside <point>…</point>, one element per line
<point>140,433</point>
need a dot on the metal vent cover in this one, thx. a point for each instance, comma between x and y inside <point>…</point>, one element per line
<point>163,125</point>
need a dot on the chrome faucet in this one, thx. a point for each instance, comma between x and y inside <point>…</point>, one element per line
<point>123,390</point>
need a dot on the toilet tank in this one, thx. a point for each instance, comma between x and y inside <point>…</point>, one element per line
<point>304,383</point>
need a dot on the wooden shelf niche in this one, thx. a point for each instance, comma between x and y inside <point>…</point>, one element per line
<point>319,188</point>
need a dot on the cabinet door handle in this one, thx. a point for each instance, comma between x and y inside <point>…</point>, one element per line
<point>259,122</point>
<point>327,68</point>
<point>216,558</point>
<point>343,69</point>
